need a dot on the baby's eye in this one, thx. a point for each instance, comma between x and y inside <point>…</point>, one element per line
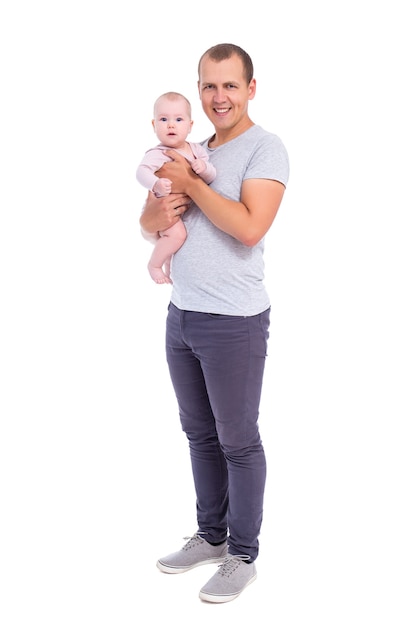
<point>179,119</point>
<point>163,119</point>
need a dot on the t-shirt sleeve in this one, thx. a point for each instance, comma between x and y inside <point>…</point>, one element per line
<point>269,159</point>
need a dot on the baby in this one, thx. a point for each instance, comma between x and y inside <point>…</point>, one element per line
<point>172,124</point>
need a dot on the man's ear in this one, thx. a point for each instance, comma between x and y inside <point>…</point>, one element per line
<point>252,89</point>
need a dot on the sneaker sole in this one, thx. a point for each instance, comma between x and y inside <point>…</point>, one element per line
<point>180,569</point>
<point>211,597</point>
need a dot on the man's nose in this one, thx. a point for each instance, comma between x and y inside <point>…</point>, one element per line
<point>219,95</point>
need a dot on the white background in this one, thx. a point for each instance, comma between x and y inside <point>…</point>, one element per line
<point>95,476</point>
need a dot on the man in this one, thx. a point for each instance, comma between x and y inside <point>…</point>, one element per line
<point>218,319</point>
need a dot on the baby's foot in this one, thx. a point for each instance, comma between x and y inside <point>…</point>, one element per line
<point>158,275</point>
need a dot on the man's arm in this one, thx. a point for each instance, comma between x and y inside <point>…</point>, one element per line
<point>248,220</point>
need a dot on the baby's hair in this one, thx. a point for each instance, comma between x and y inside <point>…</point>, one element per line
<point>174,95</point>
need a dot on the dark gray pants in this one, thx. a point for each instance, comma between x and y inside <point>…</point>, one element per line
<point>216,363</point>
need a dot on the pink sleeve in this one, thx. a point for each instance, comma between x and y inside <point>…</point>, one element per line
<point>151,162</point>
<point>201,153</point>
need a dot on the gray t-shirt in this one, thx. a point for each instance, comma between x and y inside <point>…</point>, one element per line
<point>213,272</point>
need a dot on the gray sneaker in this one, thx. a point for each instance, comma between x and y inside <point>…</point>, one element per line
<point>197,551</point>
<point>230,579</point>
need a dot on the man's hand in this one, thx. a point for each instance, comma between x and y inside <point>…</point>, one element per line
<point>161,213</point>
<point>178,170</point>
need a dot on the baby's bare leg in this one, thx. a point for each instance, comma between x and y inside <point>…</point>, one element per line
<point>169,242</point>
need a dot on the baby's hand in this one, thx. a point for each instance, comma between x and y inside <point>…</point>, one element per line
<point>162,187</point>
<point>199,166</point>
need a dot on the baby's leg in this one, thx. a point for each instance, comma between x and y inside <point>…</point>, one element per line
<point>158,275</point>
<point>169,242</point>
<point>167,267</point>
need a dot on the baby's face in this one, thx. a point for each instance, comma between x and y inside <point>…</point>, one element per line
<point>172,122</point>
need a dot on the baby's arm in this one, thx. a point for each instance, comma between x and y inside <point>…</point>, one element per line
<point>162,187</point>
<point>202,166</point>
<point>199,166</point>
<point>145,173</point>
<point>146,177</point>
<point>204,169</point>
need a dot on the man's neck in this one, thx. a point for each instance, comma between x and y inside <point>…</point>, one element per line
<point>223,136</point>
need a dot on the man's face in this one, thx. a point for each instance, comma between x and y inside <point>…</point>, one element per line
<point>224,92</point>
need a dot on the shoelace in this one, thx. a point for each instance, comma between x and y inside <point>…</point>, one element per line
<point>231,562</point>
<point>191,541</point>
